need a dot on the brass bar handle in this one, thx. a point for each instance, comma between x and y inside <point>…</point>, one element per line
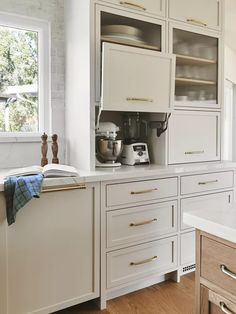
<point>135,5</point>
<point>207,182</point>
<point>227,272</point>
<point>144,261</point>
<point>147,222</point>
<point>198,22</point>
<point>139,99</point>
<point>196,152</point>
<point>144,191</point>
<point>65,188</point>
<point>225,309</point>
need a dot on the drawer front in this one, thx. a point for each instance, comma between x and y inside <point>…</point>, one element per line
<point>207,182</point>
<point>206,201</point>
<point>219,304</point>
<point>136,224</point>
<point>187,248</point>
<point>134,192</point>
<point>134,263</point>
<point>153,7</point>
<point>218,263</point>
<point>194,137</point>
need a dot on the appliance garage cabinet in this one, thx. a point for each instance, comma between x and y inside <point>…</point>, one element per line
<point>50,257</point>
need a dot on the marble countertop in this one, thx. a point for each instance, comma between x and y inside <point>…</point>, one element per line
<point>220,222</point>
<point>131,172</point>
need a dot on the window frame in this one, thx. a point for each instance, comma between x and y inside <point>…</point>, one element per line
<point>43,28</point>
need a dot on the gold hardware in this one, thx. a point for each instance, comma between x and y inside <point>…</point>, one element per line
<point>139,99</point>
<point>207,182</point>
<point>198,22</point>
<point>227,272</point>
<point>144,191</point>
<point>144,261</point>
<point>64,188</point>
<point>143,223</point>
<point>195,152</point>
<point>225,309</point>
<point>137,6</point>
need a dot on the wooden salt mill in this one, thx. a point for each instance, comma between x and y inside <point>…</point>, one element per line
<point>44,149</point>
<point>55,160</point>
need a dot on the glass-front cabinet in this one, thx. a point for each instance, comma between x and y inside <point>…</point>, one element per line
<point>198,68</point>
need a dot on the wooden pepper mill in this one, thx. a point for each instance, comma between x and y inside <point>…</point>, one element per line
<point>55,159</point>
<point>44,149</point>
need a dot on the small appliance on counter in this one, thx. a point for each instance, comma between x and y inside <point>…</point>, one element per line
<point>135,152</point>
<point>108,148</point>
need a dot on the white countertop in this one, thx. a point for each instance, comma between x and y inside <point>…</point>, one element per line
<point>220,222</point>
<point>132,172</point>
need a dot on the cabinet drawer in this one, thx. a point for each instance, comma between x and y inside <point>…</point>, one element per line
<point>206,201</point>
<point>136,224</point>
<point>134,192</point>
<point>153,7</point>
<point>187,248</point>
<point>217,263</point>
<point>192,12</point>
<point>219,304</point>
<point>125,86</point>
<point>194,137</point>
<point>206,182</point>
<point>137,262</point>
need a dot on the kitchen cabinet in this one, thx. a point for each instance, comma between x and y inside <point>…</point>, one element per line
<point>187,248</point>
<point>201,13</point>
<point>194,137</point>
<point>51,253</point>
<point>126,76</point>
<point>151,7</point>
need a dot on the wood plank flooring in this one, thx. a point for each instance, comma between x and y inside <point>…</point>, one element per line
<point>166,298</point>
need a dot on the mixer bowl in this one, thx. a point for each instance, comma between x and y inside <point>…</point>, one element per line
<point>109,150</point>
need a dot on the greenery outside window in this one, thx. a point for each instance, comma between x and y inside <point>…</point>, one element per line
<point>24,76</point>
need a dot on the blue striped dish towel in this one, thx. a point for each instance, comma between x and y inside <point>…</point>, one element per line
<point>19,191</point>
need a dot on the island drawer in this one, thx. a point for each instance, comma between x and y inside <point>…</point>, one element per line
<point>134,224</point>
<point>207,182</point>
<point>141,191</point>
<point>218,264</point>
<point>126,265</point>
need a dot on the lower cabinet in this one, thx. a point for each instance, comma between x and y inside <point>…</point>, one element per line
<point>51,253</point>
<point>187,248</point>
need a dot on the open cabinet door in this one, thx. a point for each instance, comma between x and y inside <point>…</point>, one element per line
<point>135,79</point>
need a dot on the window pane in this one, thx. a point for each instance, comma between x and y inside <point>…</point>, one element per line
<point>18,80</point>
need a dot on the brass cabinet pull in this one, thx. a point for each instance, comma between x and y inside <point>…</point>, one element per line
<point>147,222</point>
<point>207,182</point>
<point>64,188</point>
<point>135,5</point>
<point>225,309</point>
<point>196,152</point>
<point>139,99</point>
<point>144,261</point>
<point>198,22</point>
<point>144,191</point>
<point>227,272</point>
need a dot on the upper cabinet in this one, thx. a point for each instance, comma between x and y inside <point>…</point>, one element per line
<point>206,14</point>
<point>151,7</point>
<point>136,79</point>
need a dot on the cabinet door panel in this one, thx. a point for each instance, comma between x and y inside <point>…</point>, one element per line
<point>187,248</point>
<point>137,79</point>
<point>194,137</point>
<point>192,12</point>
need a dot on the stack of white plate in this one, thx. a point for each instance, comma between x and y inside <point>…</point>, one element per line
<point>123,32</point>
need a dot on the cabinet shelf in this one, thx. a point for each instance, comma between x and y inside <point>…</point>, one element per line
<point>188,81</point>
<point>127,42</point>
<point>188,60</point>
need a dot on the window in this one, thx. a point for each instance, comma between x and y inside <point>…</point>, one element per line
<point>24,75</point>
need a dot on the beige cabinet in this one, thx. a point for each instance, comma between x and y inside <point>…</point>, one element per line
<point>52,252</point>
<point>126,76</point>
<point>152,7</point>
<point>194,137</point>
<point>207,14</point>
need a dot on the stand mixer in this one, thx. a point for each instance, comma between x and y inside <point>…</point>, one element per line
<point>108,149</point>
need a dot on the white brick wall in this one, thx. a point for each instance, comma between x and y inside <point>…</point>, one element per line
<point>52,11</point>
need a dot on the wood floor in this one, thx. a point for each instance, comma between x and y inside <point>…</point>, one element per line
<point>166,298</point>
